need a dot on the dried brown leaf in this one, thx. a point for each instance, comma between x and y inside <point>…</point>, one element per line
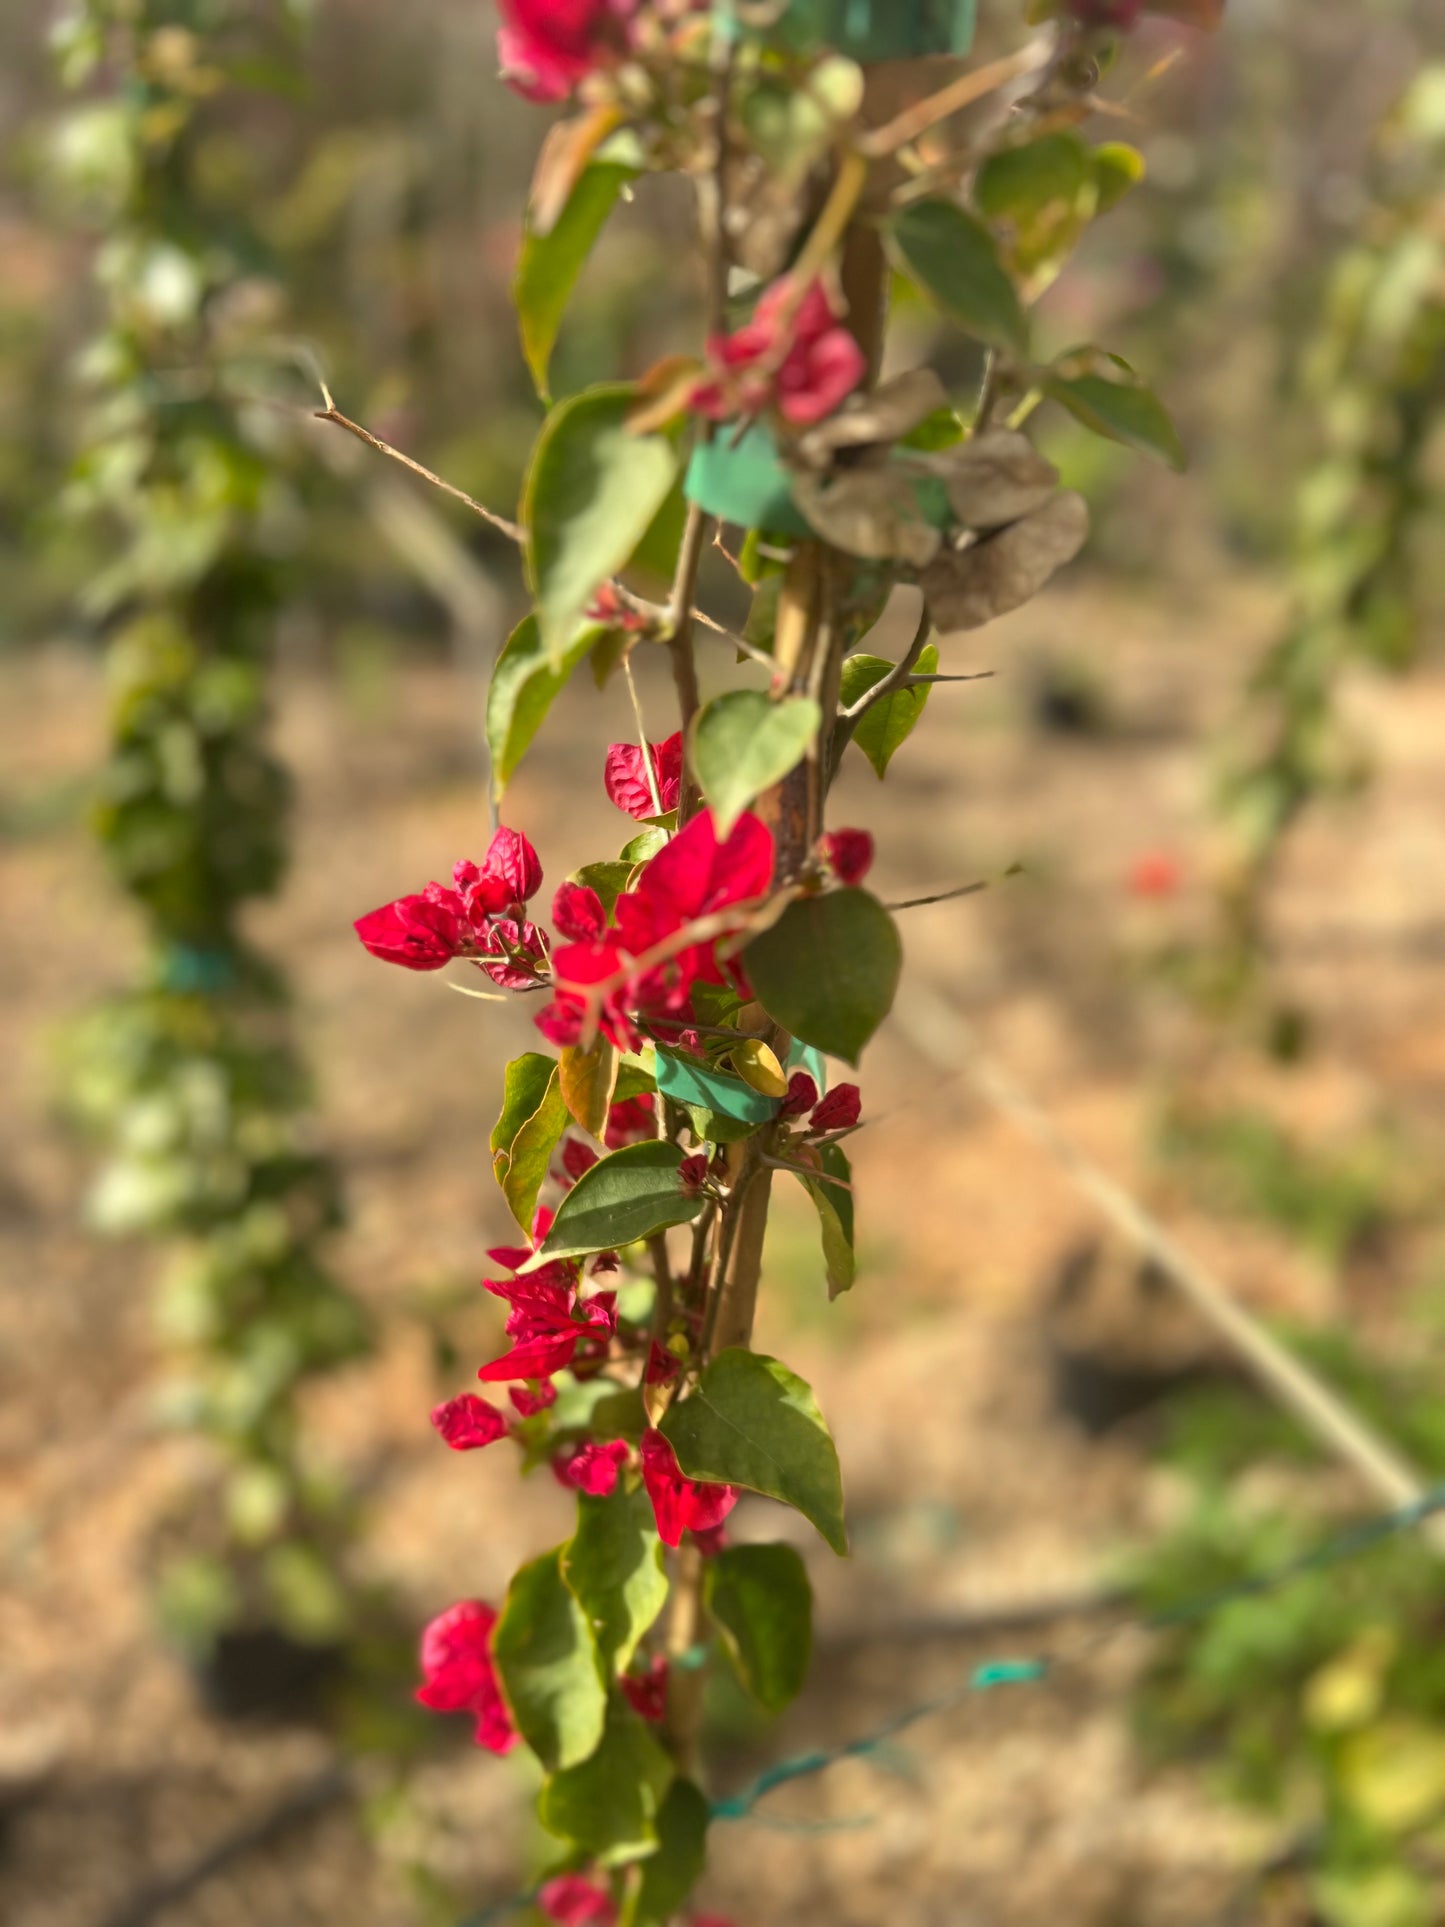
<point>889,413</point>
<point>870,512</point>
<point>995,479</point>
<point>965,589</point>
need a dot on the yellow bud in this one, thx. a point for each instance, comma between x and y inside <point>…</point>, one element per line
<point>757,1065</point>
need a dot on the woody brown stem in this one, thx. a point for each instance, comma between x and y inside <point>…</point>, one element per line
<point>808,656</point>
<point>683,1723</point>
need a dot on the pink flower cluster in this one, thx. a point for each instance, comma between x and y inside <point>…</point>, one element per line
<point>636,966</point>
<point>459,1676</point>
<point>606,972</point>
<point>482,916</point>
<point>793,355</point>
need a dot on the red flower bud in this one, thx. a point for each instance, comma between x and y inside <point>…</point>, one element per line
<point>419,933</point>
<point>458,1674</point>
<point>679,1504</point>
<point>802,1095</point>
<point>578,914</point>
<point>838,1111</point>
<point>793,355</point>
<point>577,1157</point>
<point>468,1423</point>
<point>693,1171</point>
<point>848,854</point>
<point>647,1692</point>
<point>625,777</point>
<point>592,1468</point>
<point>571,1900</point>
<point>528,1403</point>
<point>510,874</point>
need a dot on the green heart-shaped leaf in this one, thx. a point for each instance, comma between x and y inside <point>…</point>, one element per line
<point>885,728</point>
<point>742,743</point>
<point>953,258</point>
<point>550,263</point>
<point>591,495</point>
<point>835,1217</point>
<point>525,683</point>
<point>614,1570</point>
<point>623,1198</point>
<point>761,1602</point>
<point>1103,392</point>
<point>828,970</point>
<point>547,1663</point>
<point>752,1422</point>
<point>608,1806</point>
<point>534,1116</point>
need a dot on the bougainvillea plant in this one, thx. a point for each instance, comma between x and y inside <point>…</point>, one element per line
<point>694,990</point>
<point>191,1077</point>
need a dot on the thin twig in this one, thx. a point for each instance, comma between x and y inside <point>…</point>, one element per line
<point>652,784</point>
<point>937,1030</point>
<point>963,92</point>
<point>944,896</point>
<point>331,413</point>
<point>896,678</point>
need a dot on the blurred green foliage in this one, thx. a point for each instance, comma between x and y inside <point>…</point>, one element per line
<point>186,495</point>
<point>1323,1703</point>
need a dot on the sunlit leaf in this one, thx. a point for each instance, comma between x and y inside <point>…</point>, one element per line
<point>550,262</point>
<point>751,1422</point>
<point>534,1116</point>
<point>592,494</point>
<point>614,1569</point>
<point>885,728</point>
<point>742,743</point>
<point>588,1080</point>
<point>525,683</point>
<point>547,1663</point>
<point>623,1198</point>
<point>607,1806</point>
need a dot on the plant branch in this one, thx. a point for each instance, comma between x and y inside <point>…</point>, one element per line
<point>331,413</point>
<point>944,896</point>
<point>906,127</point>
<point>897,678</point>
<point>653,789</point>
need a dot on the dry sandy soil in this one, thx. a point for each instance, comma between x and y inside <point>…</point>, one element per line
<point>971,1491</point>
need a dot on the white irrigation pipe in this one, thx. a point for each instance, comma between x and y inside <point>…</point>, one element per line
<point>936,1031</point>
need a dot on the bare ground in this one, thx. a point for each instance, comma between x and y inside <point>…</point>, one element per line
<point>970,1490</point>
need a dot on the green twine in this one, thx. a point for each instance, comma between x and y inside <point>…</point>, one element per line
<point>996,1673</point>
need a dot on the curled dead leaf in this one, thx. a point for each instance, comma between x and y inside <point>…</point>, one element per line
<point>995,479</point>
<point>871,512</point>
<point>886,415</point>
<point>966,588</point>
